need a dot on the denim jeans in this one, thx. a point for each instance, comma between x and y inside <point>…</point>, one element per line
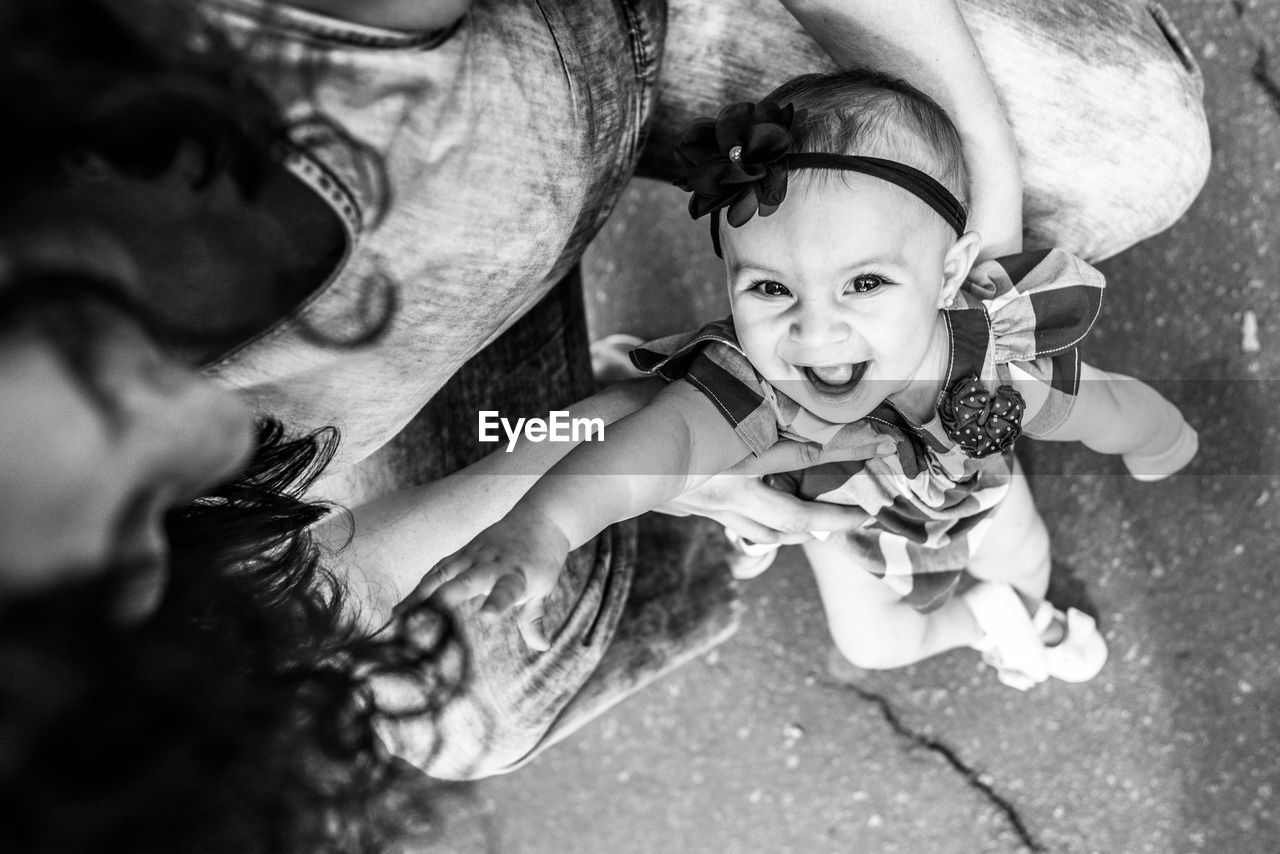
<point>499,150</point>
<point>1104,98</point>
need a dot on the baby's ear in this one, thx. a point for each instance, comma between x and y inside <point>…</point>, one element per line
<point>957,263</point>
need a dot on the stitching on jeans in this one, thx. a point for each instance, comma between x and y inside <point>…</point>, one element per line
<point>564,63</point>
<point>334,32</point>
<point>643,67</point>
<point>1170,32</point>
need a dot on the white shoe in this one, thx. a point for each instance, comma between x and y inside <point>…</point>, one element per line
<point>1082,651</point>
<point>1010,642</point>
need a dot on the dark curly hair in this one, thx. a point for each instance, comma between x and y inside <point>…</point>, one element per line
<point>240,716</point>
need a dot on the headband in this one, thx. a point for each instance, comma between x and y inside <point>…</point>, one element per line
<point>740,161</point>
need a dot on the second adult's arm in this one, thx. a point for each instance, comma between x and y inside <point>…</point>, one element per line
<point>928,44</point>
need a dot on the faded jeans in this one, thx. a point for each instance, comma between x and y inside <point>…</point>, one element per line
<point>1103,96</point>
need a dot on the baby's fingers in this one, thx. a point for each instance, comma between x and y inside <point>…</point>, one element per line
<point>439,575</point>
<point>530,620</point>
<point>507,592</point>
<point>475,581</point>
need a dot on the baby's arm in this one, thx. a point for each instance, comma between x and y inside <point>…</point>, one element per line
<point>1116,414</point>
<point>383,544</point>
<point>677,441</point>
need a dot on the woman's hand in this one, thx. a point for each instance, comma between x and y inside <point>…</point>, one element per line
<point>740,500</point>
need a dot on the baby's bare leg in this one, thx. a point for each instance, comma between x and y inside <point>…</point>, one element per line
<point>1015,548</point>
<point>1027,648</point>
<point>870,623</point>
<point>874,628</point>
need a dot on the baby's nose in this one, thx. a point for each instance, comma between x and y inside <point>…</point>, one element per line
<point>815,326</point>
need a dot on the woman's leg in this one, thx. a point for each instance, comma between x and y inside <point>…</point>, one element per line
<point>1103,98</point>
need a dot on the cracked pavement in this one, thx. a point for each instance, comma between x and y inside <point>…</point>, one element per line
<point>976,780</point>
<point>767,745</point>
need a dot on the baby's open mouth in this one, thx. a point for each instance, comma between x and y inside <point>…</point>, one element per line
<point>835,379</point>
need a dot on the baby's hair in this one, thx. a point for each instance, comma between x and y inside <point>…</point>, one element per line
<point>856,111</point>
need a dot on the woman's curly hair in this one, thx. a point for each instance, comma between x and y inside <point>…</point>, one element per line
<point>240,716</point>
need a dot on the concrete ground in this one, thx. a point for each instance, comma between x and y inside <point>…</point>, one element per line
<point>765,745</point>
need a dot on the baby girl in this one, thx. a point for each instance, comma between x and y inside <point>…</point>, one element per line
<point>861,316</point>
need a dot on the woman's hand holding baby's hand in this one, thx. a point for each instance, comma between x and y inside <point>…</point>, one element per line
<point>740,500</point>
<point>513,563</point>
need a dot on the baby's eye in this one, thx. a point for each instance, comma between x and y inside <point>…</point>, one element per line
<point>773,289</point>
<point>867,283</point>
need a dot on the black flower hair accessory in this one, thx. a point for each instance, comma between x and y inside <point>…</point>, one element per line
<point>982,422</point>
<point>737,161</point>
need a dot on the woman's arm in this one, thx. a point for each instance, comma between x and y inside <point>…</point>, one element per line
<point>927,43</point>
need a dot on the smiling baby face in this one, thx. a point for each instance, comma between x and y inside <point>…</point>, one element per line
<point>836,297</point>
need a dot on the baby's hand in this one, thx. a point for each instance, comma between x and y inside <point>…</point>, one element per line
<point>514,563</point>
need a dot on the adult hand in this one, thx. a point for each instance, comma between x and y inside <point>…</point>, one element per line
<point>743,503</point>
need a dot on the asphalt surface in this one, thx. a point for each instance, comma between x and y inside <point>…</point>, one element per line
<point>769,745</point>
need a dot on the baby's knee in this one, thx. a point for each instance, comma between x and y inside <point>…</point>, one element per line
<point>866,650</point>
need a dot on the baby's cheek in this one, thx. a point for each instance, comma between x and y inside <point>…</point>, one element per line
<point>755,346</point>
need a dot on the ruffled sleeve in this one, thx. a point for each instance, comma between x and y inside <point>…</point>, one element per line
<point>1040,306</point>
<point>712,362</point>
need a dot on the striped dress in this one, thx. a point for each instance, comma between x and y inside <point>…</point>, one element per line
<point>1017,322</point>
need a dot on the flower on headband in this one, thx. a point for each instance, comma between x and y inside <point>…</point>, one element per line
<point>982,422</point>
<point>738,161</point>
